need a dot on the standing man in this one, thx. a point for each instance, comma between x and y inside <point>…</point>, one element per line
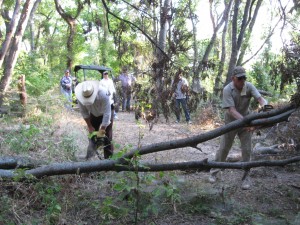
<point>127,82</point>
<point>108,83</point>
<point>66,88</point>
<point>95,108</point>
<point>181,89</point>
<point>236,100</point>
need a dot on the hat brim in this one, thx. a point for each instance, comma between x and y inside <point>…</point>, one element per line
<point>240,75</point>
<point>90,100</point>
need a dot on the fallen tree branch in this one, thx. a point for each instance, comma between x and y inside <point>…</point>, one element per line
<point>255,119</point>
<point>13,162</point>
<point>110,165</point>
<point>267,150</point>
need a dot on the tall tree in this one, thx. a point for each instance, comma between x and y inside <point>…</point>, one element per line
<point>71,21</point>
<point>239,30</point>
<point>217,88</point>
<point>11,28</point>
<point>11,58</point>
<point>161,59</point>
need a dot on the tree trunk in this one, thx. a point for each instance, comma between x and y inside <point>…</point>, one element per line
<point>245,43</point>
<point>237,38</point>
<point>10,31</point>
<point>22,91</point>
<point>218,79</point>
<point>204,60</point>
<point>11,59</point>
<point>32,45</point>
<point>161,60</point>
<point>71,21</point>
<point>195,47</point>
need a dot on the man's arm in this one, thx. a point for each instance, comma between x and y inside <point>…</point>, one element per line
<point>234,113</point>
<point>262,101</point>
<point>89,125</point>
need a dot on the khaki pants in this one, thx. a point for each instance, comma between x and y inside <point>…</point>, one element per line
<point>227,142</point>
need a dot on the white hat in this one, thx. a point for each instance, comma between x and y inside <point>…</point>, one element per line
<point>86,92</point>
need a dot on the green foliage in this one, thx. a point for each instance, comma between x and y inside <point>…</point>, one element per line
<point>48,194</point>
<point>38,76</point>
<point>259,76</point>
<point>25,140</point>
<point>286,68</point>
<point>5,210</point>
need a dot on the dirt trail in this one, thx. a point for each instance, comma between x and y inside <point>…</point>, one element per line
<point>126,132</point>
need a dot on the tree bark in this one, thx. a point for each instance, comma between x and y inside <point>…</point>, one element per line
<point>11,59</point>
<point>10,31</point>
<point>110,165</point>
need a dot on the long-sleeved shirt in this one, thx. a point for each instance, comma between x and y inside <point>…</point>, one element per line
<point>109,85</point>
<point>100,107</point>
<point>126,79</point>
<point>66,83</point>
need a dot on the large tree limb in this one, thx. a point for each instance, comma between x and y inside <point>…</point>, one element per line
<point>110,165</point>
<point>274,117</point>
<point>258,119</point>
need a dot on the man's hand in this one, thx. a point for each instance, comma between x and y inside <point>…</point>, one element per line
<point>91,129</point>
<point>101,133</point>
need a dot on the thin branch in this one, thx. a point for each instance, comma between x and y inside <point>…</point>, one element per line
<point>263,44</point>
<point>135,26</point>
<point>138,9</point>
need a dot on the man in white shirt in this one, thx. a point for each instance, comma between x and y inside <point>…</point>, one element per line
<point>181,98</point>
<point>109,85</point>
<point>95,107</point>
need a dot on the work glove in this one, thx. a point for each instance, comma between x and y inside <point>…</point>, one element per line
<point>101,133</point>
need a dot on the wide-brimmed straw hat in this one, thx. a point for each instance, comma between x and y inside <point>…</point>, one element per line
<point>86,92</point>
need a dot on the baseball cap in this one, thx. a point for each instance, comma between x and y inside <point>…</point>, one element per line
<point>239,71</point>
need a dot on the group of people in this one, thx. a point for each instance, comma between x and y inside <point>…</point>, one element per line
<point>96,103</point>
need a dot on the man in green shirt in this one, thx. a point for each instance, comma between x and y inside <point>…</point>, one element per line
<point>236,100</point>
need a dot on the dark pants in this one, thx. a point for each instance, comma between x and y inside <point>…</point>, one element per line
<point>96,122</point>
<point>185,109</point>
<point>126,95</point>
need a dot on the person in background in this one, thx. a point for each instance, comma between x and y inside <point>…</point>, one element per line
<point>66,88</point>
<point>180,84</point>
<point>127,82</point>
<point>109,85</point>
<point>236,101</point>
<point>95,107</point>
